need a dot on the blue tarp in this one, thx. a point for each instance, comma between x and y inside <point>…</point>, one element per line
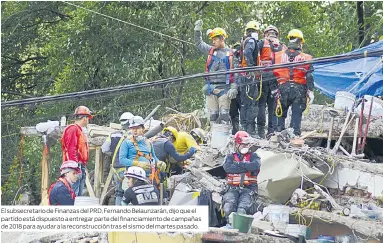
<point>362,76</point>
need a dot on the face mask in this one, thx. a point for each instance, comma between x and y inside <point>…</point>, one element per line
<point>244,150</point>
<point>139,138</point>
<point>254,35</point>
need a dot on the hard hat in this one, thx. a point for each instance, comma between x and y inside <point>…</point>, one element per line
<point>199,135</point>
<point>242,137</point>
<point>135,172</point>
<point>69,166</point>
<point>172,130</point>
<point>125,118</point>
<point>252,25</point>
<point>217,32</point>
<point>136,121</point>
<point>297,34</point>
<point>83,111</point>
<point>270,28</point>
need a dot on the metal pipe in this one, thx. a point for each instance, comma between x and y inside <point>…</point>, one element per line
<point>152,113</point>
<point>330,134</point>
<point>161,193</point>
<point>360,126</point>
<point>367,124</point>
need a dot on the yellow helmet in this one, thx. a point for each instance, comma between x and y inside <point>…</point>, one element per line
<point>252,25</point>
<point>217,32</point>
<point>173,130</point>
<point>297,34</point>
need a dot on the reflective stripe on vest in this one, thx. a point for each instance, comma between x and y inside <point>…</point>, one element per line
<point>66,184</point>
<point>298,74</point>
<point>228,60</point>
<point>242,179</point>
<point>82,145</point>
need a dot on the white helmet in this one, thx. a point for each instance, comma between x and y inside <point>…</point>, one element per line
<point>136,121</point>
<point>69,166</point>
<point>126,117</point>
<point>135,172</point>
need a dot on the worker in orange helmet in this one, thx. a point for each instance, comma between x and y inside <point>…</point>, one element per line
<point>74,144</point>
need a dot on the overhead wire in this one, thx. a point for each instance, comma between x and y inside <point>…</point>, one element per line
<point>126,22</point>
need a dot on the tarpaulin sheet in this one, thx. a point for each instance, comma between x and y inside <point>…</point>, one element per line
<point>362,76</point>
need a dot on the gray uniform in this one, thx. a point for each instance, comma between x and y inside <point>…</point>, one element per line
<point>216,91</point>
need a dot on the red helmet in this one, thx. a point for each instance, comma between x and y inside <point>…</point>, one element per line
<point>83,111</point>
<point>68,166</point>
<point>240,136</point>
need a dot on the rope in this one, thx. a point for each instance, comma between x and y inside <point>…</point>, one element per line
<point>278,108</point>
<point>126,22</point>
<point>260,89</point>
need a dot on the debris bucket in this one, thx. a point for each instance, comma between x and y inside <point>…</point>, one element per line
<point>344,100</point>
<point>86,201</point>
<point>242,222</point>
<point>296,230</point>
<point>279,214</point>
<point>219,135</point>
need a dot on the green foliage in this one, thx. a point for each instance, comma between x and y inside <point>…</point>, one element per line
<point>52,48</point>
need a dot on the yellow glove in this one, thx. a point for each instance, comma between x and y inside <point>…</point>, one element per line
<point>143,165</point>
<point>188,162</point>
<point>161,165</point>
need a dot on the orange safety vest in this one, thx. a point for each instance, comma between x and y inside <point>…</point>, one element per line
<point>228,60</point>
<point>235,179</point>
<point>243,60</point>
<point>66,184</point>
<point>82,146</point>
<point>293,74</point>
<point>267,55</point>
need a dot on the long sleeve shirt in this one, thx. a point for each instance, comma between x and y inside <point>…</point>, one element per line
<point>251,52</point>
<point>232,167</point>
<point>184,142</point>
<point>128,152</point>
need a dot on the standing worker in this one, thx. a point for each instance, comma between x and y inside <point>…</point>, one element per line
<point>248,85</point>
<point>268,85</point>
<point>74,145</point>
<point>235,104</point>
<point>219,89</point>
<point>242,169</point>
<point>140,192</point>
<point>61,192</point>
<point>296,84</point>
<point>112,145</point>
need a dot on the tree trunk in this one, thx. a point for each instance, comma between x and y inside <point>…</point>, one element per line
<point>359,10</point>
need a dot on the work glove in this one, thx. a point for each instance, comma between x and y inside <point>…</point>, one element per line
<point>143,165</point>
<point>198,25</point>
<point>192,150</point>
<point>275,93</point>
<point>233,91</point>
<point>310,95</point>
<point>161,165</point>
<point>188,162</point>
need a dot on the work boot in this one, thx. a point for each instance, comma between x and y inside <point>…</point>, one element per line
<point>235,123</point>
<point>250,129</point>
<point>261,132</point>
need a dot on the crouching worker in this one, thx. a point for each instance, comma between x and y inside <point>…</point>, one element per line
<point>242,168</point>
<point>61,192</point>
<point>140,191</point>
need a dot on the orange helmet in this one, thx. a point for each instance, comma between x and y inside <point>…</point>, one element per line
<point>83,111</point>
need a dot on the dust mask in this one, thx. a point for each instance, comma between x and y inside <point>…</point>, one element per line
<point>244,150</point>
<point>254,35</point>
<point>139,138</point>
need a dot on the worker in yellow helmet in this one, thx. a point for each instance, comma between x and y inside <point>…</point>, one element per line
<point>295,84</point>
<point>219,89</point>
<point>249,89</point>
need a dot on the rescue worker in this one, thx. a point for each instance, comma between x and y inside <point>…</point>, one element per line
<point>74,145</point>
<point>268,85</point>
<point>112,146</point>
<point>248,85</point>
<point>296,84</point>
<point>165,151</point>
<point>242,168</point>
<point>219,89</point>
<point>61,192</point>
<point>140,191</point>
<point>183,142</point>
<point>137,150</point>
<point>235,104</point>
<point>199,135</point>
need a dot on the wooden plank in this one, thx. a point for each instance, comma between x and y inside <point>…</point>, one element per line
<point>88,185</point>
<point>45,171</point>
<point>98,173</point>
<point>106,186</point>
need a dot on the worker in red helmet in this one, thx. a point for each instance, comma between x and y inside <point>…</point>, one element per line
<point>74,144</point>
<point>61,192</point>
<point>242,168</point>
<point>268,46</point>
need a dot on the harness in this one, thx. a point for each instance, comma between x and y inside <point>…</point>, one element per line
<point>255,52</point>
<point>139,152</point>
<point>243,179</point>
<point>228,60</point>
<point>117,171</point>
<point>66,184</point>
